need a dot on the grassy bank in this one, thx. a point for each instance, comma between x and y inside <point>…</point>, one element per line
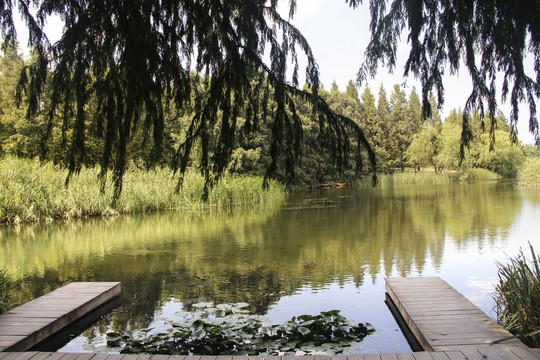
<point>428,177</point>
<point>31,192</point>
<point>409,178</point>
<point>529,173</point>
<point>4,291</point>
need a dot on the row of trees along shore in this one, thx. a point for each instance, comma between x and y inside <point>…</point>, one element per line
<point>392,123</point>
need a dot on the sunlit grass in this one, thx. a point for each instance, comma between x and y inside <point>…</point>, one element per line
<point>408,178</point>
<point>478,174</point>
<point>517,297</point>
<point>529,173</point>
<point>31,191</point>
<point>4,291</point>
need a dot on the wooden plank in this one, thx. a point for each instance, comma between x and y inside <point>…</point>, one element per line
<point>353,357</point>
<point>440,317</point>
<point>405,356</point>
<point>33,322</point>
<point>372,357</point>
<point>422,355</point>
<point>389,357</point>
<point>439,356</point>
<point>19,355</point>
<point>455,355</point>
<point>525,353</point>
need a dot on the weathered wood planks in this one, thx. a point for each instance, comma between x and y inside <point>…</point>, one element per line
<point>27,325</point>
<point>441,318</point>
<point>471,354</point>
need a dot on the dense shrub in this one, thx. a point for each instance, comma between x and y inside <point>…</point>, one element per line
<point>529,173</point>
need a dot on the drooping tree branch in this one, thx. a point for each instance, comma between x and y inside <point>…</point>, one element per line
<point>490,38</point>
<point>219,59</point>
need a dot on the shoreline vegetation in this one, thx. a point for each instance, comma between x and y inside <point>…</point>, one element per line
<point>31,191</point>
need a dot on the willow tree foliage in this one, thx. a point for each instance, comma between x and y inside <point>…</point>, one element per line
<point>490,37</point>
<point>214,58</point>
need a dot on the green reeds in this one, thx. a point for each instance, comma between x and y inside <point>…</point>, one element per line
<point>529,173</point>
<point>31,191</point>
<point>4,291</point>
<point>408,178</point>
<point>517,297</point>
<point>478,174</point>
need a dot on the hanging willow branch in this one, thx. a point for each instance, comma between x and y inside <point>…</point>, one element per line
<point>490,37</point>
<point>219,59</point>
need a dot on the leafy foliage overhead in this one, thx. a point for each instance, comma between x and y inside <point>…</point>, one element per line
<point>487,36</point>
<point>218,59</point>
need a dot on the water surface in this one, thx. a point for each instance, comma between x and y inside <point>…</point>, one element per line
<point>313,252</point>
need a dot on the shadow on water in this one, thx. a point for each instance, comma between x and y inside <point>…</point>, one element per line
<point>263,255</point>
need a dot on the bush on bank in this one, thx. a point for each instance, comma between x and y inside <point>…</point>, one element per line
<point>529,173</point>
<point>31,191</point>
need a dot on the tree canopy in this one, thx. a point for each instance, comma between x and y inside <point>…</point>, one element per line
<point>489,37</point>
<point>132,60</point>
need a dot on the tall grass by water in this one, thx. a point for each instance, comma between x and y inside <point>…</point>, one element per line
<point>529,173</point>
<point>408,178</point>
<point>31,191</point>
<point>4,291</point>
<point>517,297</point>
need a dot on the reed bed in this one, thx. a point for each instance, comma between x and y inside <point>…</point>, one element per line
<point>478,174</point>
<point>529,173</point>
<point>517,297</point>
<point>4,291</point>
<point>31,191</point>
<point>408,178</point>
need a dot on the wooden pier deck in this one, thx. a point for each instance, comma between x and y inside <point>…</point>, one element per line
<point>470,354</point>
<point>27,325</point>
<point>445,323</point>
<point>441,319</point>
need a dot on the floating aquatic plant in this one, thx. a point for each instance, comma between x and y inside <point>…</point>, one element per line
<point>230,329</point>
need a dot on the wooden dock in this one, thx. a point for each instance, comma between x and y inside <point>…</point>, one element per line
<point>470,354</point>
<point>443,320</point>
<point>29,324</point>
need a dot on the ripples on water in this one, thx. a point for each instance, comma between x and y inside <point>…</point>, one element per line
<point>318,251</point>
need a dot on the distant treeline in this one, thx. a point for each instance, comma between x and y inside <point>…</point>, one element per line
<point>392,124</point>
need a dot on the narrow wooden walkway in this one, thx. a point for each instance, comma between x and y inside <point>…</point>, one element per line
<point>27,325</point>
<point>494,354</point>
<point>442,319</point>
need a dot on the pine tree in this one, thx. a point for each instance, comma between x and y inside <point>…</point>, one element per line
<point>136,58</point>
<point>487,36</point>
<point>401,128</point>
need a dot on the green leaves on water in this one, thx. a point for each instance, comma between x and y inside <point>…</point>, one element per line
<point>227,329</point>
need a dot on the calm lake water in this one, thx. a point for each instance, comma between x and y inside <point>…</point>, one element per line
<point>312,252</point>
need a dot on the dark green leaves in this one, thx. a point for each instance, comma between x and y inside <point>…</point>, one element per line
<point>215,60</point>
<point>230,329</point>
<point>491,39</point>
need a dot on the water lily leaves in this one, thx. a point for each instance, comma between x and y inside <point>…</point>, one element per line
<point>198,334</point>
<point>88,347</point>
<point>227,329</point>
<point>203,305</point>
<point>197,324</point>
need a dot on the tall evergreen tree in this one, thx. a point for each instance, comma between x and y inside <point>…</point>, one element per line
<point>401,128</point>
<point>137,57</point>
<point>487,36</point>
